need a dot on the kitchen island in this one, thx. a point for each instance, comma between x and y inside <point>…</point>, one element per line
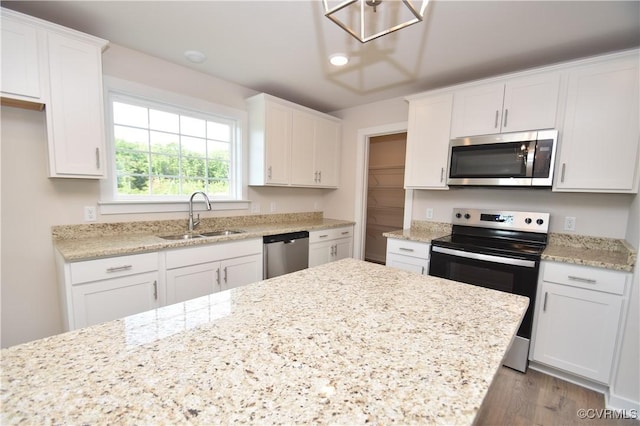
<point>348,342</point>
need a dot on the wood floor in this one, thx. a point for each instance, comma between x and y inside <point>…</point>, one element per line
<point>535,398</point>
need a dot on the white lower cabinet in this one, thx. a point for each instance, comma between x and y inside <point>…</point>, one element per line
<point>198,271</point>
<point>578,319</point>
<point>330,245</point>
<point>410,256</point>
<point>100,290</point>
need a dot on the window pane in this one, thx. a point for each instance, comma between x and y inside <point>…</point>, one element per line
<point>192,185</point>
<point>219,150</point>
<point>193,146</point>
<point>164,143</point>
<point>219,187</point>
<point>193,167</point>
<point>133,185</point>
<point>130,115</point>
<point>192,126</point>
<point>161,185</point>
<point>218,169</point>
<point>128,162</point>
<point>131,139</point>
<point>165,165</point>
<point>166,121</point>
<point>219,131</point>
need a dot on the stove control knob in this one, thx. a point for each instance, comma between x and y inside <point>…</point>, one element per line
<point>527,220</point>
<point>458,215</point>
<point>539,221</point>
<point>467,216</point>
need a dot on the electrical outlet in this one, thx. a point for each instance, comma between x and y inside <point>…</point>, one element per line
<point>569,223</point>
<point>255,207</point>
<point>89,213</point>
<point>273,206</point>
<point>429,213</point>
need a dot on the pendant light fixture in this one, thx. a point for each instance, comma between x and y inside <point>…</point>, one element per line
<point>367,20</point>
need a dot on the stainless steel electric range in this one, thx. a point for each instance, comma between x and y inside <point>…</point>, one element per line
<point>495,249</point>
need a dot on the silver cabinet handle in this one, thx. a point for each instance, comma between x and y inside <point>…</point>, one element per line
<point>98,158</point>
<point>422,271</point>
<point>406,249</point>
<point>315,177</point>
<point>225,274</point>
<point>544,304</point>
<point>218,276</point>
<point>119,268</point>
<point>320,176</point>
<point>506,114</point>
<point>344,233</point>
<point>323,236</point>
<point>582,280</point>
<point>269,173</point>
<point>155,290</point>
<point>496,123</point>
<point>562,173</point>
<point>441,174</point>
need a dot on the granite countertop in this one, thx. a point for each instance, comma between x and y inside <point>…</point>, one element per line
<point>83,242</point>
<point>609,253</point>
<point>348,342</point>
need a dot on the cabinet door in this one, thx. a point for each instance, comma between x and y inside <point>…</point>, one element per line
<point>599,149</point>
<point>102,301</point>
<point>74,114</point>
<point>241,271</point>
<point>428,142</point>
<point>20,60</point>
<point>320,253</point>
<point>408,263</point>
<point>303,171</point>
<point>343,248</point>
<point>477,111</point>
<point>192,281</point>
<point>531,103</point>
<point>327,153</point>
<point>577,330</point>
<point>278,143</point>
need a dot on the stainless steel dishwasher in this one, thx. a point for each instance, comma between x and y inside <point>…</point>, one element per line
<point>284,253</point>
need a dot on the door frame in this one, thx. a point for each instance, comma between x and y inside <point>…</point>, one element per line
<point>362,161</point>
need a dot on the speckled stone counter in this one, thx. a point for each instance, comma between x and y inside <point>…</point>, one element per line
<point>82,242</point>
<point>421,231</point>
<point>348,342</point>
<point>609,253</point>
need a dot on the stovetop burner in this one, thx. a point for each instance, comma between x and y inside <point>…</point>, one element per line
<point>520,235</point>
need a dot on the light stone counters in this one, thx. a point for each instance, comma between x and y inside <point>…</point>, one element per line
<point>421,231</point>
<point>83,242</point>
<point>609,253</point>
<point>347,342</point>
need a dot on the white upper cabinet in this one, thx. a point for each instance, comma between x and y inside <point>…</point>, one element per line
<point>599,149</point>
<point>428,142</point>
<point>21,61</point>
<point>291,145</point>
<point>62,69</point>
<point>526,103</point>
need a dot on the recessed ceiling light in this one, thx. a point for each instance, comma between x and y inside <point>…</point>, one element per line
<point>195,56</point>
<point>338,59</point>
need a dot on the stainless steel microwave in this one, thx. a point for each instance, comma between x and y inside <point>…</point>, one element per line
<point>507,159</point>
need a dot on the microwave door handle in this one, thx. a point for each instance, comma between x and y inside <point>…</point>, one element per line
<point>531,154</point>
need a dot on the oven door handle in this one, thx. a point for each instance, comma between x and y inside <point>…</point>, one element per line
<point>486,257</point>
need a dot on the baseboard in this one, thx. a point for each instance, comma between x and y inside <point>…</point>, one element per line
<point>618,403</point>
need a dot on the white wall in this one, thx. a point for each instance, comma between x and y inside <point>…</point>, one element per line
<point>32,203</point>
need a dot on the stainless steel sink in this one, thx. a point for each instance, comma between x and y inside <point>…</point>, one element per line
<point>181,237</point>
<point>202,235</point>
<point>220,233</point>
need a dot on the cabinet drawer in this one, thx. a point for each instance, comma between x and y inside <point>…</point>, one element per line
<point>212,252</point>
<point>408,248</point>
<point>112,267</point>
<point>330,234</point>
<point>585,277</point>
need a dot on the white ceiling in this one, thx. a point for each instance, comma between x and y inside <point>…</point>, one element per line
<point>282,47</point>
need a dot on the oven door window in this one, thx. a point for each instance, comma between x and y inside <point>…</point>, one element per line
<point>499,160</point>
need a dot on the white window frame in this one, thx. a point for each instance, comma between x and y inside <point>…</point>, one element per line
<point>109,204</point>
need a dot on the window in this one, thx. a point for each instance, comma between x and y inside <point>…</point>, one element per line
<point>163,151</point>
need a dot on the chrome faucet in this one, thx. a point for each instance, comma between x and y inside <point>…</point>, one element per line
<point>192,223</point>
